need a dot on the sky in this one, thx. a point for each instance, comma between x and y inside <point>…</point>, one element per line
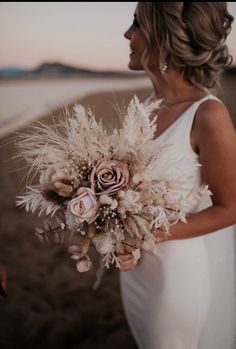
<point>83,34</point>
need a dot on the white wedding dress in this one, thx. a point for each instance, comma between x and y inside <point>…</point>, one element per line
<point>181,295</point>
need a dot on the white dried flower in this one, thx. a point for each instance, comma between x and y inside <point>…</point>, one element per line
<point>137,254</point>
<point>137,178</point>
<point>130,202</point>
<point>114,204</point>
<point>120,194</point>
<point>105,199</point>
<point>103,243</point>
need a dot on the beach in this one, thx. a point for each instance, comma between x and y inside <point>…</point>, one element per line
<point>49,304</point>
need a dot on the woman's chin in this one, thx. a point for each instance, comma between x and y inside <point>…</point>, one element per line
<point>134,66</point>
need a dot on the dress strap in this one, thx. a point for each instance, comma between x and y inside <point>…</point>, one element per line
<point>209,96</point>
<point>180,130</point>
<point>189,119</point>
<point>195,105</point>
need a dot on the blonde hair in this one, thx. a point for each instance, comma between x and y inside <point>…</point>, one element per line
<point>190,36</point>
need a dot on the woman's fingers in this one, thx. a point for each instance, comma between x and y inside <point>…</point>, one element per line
<point>125,257</point>
<point>128,265</point>
<point>128,262</point>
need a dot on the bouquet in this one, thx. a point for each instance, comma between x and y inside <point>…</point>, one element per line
<point>104,190</point>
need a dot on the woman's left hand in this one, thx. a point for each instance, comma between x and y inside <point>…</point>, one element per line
<point>128,260</point>
<point>160,235</point>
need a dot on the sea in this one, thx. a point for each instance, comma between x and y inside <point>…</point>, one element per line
<point>22,101</point>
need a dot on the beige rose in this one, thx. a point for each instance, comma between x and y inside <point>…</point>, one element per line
<point>84,206</point>
<point>84,264</point>
<point>109,176</point>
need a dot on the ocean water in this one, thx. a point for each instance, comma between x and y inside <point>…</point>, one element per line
<point>23,101</point>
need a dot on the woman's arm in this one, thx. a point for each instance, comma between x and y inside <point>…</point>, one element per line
<point>215,139</point>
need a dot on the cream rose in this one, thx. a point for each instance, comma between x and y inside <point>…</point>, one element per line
<point>84,206</point>
<point>109,176</point>
<point>84,264</point>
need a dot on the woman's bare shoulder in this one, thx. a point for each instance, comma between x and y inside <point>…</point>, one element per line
<point>213,116</point>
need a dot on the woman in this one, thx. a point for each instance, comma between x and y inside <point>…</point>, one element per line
<point>181,295</point>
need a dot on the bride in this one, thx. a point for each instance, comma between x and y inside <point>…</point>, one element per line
<point>181,295</point>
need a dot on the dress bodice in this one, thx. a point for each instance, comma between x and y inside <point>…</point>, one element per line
<point>182,294</point>
<point>178,136</point>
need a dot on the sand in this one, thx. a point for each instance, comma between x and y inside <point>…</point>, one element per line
<point>49,304</point>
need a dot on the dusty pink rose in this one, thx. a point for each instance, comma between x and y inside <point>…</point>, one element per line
<point>84,206</point>
<point>109,176</point>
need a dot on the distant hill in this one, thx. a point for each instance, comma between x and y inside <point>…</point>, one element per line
<point>58,70</point>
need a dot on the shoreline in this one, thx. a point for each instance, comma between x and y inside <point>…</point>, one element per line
<point>34,112</point>
<point>67,78</point>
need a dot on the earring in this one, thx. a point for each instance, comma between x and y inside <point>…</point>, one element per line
<point>165,67</point>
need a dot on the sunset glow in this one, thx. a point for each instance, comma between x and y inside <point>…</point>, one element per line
<point>84,34</point>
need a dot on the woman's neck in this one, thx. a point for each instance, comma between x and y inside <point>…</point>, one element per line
<point>175,90</point>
